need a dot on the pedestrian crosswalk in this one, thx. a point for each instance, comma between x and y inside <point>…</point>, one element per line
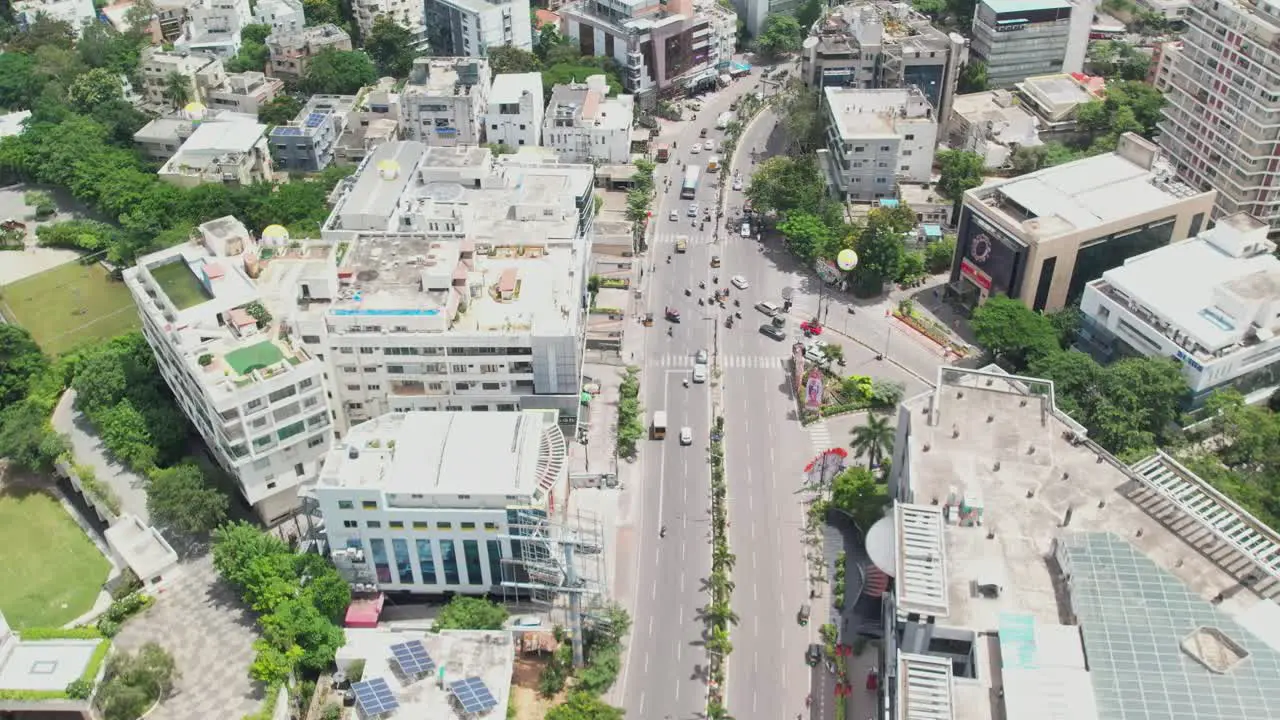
<point>764,362</point>
<point>820,436</point>
<point>696,237</point>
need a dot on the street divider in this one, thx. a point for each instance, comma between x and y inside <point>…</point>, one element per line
<point>719,611</point>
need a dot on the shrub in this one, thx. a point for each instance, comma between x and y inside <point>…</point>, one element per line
<point>331,712</point>
<point>80,689</point>
<point>205,360</point>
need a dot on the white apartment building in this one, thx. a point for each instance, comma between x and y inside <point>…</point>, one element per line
<point>992,124</point>
<point>204,72</point>
<point>233,151</point>
<point>215,311</point>
<point>876,138</point>
<point>462,287</point>
<point>374,120</point>
<point>162,138</point>
<point>244,92</point>
<point>213,26</point>
<point>284,16</point>
<point>514,114</point>
<point>445,100</point>
<point>76,13</point>
<point>1171,10</point>
<point>1220,319</point>
<point>1020,38</point>
<point>468,28</point>
<point>408,14</point>
<point>1219,122</point>
<point>584,124</point>
<point>428,502</point>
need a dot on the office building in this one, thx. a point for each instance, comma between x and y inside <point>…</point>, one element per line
<point>876,138</point>
<point>308,143</point>
<point>463,283</point>
<point>203,72</point>
<point>408,14</point>
<point>284,16</point>
<point>213,26</point>
<point>244,92</point>
<point>233,151</point>
<point>291,52</point>
<point>217,313</point>
<point>431,499</point>
<point>1219,121</point>
<point>881,44</point>
<point>1024,572</point>
<point>445,100</point>
<point>374,120</point>
<point>76,13</point>
<point>584,124</point>
<point>1220,319</point>
<point>468,28</point>
<point>514,113</point>
<point>1016,39</point>
<point>1042,236</point>
<point>992,124</point>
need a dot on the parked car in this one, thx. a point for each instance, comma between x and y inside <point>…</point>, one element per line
<point>737,183</point>
<point>746,230</point>
<point>813,655</point>
<point>699,373</point>
<point>810,327</point>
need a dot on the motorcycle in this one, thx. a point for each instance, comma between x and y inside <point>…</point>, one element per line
<point>668,332</point>
<point>700,301</point>
<point>738,315</point>
<point>662,531</point>
<point>702,285</point>
<point>688,292</point>
<point>737,302</point>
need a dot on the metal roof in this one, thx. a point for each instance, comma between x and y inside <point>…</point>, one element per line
<point>921,574</point>
<point>924,687</point>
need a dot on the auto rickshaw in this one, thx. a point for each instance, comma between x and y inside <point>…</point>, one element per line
<point>648,320</point>
<point>715,261</point>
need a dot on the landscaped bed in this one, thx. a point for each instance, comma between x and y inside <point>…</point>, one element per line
<point>179,284</point>
<point>255,357</point>
<point>52,572</point>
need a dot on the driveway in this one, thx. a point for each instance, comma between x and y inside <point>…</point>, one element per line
<point>89,450</point>
<point>202,623</point>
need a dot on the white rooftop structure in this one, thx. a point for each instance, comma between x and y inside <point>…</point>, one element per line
<point>142,548</point>
<point>870,113</point>
<point>992,124</point>
<point>43,667</point>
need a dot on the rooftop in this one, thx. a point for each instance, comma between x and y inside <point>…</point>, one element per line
<point>142,548</point>
<point>460,654</point>
<point>1006,120</point>
<point>861,113</point>
<point>41,665</point>
<point>311,118</point>
<point>1086,193</point>
<point>588,104</point>
<point>872,24</point>
<point>1055,97</point>
<point>446,75</point>
<point>510,87</point>
<point>1013,6</point>
<point>449,454</point>
<point>1006,493</point>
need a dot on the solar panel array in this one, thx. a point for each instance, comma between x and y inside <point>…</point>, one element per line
<point>412,658</point>
<point>287,131</point>
<point>1134,615</point>
<point>314,119</point>
<point>473,694</point>
<point>374,697</point>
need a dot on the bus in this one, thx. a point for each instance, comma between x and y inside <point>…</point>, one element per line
<point>690,186</point>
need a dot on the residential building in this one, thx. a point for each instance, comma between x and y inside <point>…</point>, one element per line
<point>76,13</point>
<point>660,45</point>
<point>234,152</point>
<point>931,208</point>
<point>722,25</point>
<point>284,16</point>
<point>1012,580</point>
<point>1218,123</point>
<point>1221,321</point>
<point>882,44</point>
<point>463,286</point>
<point>213,26</point>
<point>1160,72</point>
<point>877,138</point>
<point>405,13</point>
<point>291,51</point>
<point>1020,38</point>
<point>309,142</point>
<point>1042,236</point>
<point>33,672</point>
<point>244,92</point>
<point>202,72</point>
<point>584,124</point>
<point>754,13</point>
<point>992,124</point>
<point>217,312</point>
<point>514,113</point>
<point>1054,98</point>
<point>161,138</point>
<point>445,100</point>
<point>171,16</point>
<point>1171,10</point>
<point>374,120</point>
<point>468,28</point>
<point>117,15</point>
<point>432,499</point>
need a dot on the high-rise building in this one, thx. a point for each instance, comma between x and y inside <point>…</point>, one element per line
<point>1219,122</point>
<point>468,28</point>
<point>1016,39</point>
<point>877,138</point>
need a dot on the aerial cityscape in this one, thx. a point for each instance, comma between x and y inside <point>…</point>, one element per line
<point>647,359</point>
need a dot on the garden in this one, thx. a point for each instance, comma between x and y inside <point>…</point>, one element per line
<point>833,394</point>
<point>70,305</point>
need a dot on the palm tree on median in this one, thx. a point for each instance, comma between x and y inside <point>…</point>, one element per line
<point>872,439</point>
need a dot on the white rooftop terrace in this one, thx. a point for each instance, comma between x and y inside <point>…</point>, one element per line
<point>510,87</point>
<point>228,136</point>
<point>863,113</point>
<point>447,454</point>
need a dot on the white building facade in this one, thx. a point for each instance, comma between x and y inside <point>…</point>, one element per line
<point>445,100</point>
<point>285,16</point>
<point>584,124</point>
<point>76,13</point>
<point>514,113</point>
<point>214,26</point>
<point>1017,39</point>
<point>408,14</point>
<point>876,138</point>
<point>468,28</point>
<point>203,71</point>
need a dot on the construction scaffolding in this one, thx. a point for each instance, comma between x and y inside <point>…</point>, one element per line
<point>553,560</point>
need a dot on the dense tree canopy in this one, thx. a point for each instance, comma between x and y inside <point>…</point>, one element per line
<point>470,613</point>
<point>780,35</point>
<point>1011,332</point>
<point>280,111</point>
<point>254,54</point>
<point>338,72</point>
<point>181,499</point>
<point>20,360</point>
<point>390,45</point>
<point>857,492</point>
<point>959,170</point>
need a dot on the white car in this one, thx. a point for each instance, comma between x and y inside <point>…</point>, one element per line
<point>697,148</point>
<point>675,215</point>
<point>746,230</point>
<point>711,145</point>
<point>693,210</point>
<point>739,282</point>
<point>700,358</point>
<point>737,183</point>
<point>699,373</point>
<point>686,435</point>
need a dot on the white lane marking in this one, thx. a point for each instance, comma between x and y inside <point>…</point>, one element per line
<point>677,689</point>
<point>646,657</point>
<point>646,663</point>
<point>753,702</point>
<point>642,703</point>
<point>681,582</point>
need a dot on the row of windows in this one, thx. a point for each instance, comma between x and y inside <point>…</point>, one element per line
<point>426,566</point>
<point>418,525</point>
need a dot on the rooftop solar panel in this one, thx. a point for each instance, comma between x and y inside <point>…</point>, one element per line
<point>314,119</point>
<point>375,697</point>
<point>412,657</point>
<point>473,694</point>
<point>287,131</point>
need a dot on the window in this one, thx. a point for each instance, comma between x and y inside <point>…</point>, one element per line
<point>375,386</point>
<point>311,339</point>
<point>859,148</point>
<point>479,408</point>
<point>449,557</point>
<point>444,526</point>
<point>495,561</point>
<point>906,153</point>
<point>346,505</point>
<point>426,562</point>
<point>910,136</point>
<point>346,350</point>
<point>349,523</point>
<point>459,368</point>
<point>468,526</point>
<point>317,440</point>
<point>299,470</point>
<point>290,430</point>
<point>421,525</point>
<point>368,504</point>
<point>353,388</point>
<point>404,565</point>
<point>884,148</point>
<point>368,350</point>
<point>373,524</point>
<point>506,407</point>
<point>471,551</point>
<point>396,524</point>
<point>306,384</point>
<point>488,368</point>
<point>378,548</point>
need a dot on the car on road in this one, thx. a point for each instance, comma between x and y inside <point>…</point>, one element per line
<point>746,206</point>
<point>700,357</point>
<point>776,333</point>
<point>686,435</point>
<point>702,133</point>
<point>767,308</point>
<point>739,282</point>
<point>675,215</point>
<point>700,373</point>
<point>693,209</point>
<point>746,229</point>
<point>737,183</point>
<point>809,327</point>
<point>813,655</point>
<point>710,146</point>
<point>697,148</point>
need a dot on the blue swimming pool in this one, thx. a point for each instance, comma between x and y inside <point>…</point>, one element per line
<point>387,313</point>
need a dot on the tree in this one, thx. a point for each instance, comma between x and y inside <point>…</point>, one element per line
<point>508,59</point>
<point>180,499</point>
<point>26,437</point>
<point>338,72</point>
<point>786,184</point>
<point>584,706</point>
<point>856,492</point>
<point>1117,61</point>
<point>1075,378</point>
<point>271,665</point>
<point>18,84</point>
<point>959,171</point>
<point>297,623</point>
<point>809,13</point>
<point>44,32</point>
<point>547,39</point>
<point>329,593</point>
<point>20,360</point>
<point>280,111</point>
<point>807,235</point>
<point>390,45</point>
<point>973,77</point>
<point>321,12</point>
<point>470,613</point>
<point>1012,332</point>
<point>938,255</point>
<point>872,439</point>
<point>802,116</point>
<point>177,89</point>
<point>780,35</point>
<point>1139,400</point>
<point>132,683</point>
<point>237,545</point>
<point>880,255</point>
<point>254,53</point>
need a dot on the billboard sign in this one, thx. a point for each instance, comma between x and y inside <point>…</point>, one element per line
<point>990,256</point>
<point>813,389</point>
<point>971,271</point>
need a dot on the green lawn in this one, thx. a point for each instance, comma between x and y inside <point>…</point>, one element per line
<point>52,572</point>
<point>181,285</point>
<point>69,305</point>
<point>259,355</point>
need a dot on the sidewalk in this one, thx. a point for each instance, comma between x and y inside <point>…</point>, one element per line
<point>88,450</point>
